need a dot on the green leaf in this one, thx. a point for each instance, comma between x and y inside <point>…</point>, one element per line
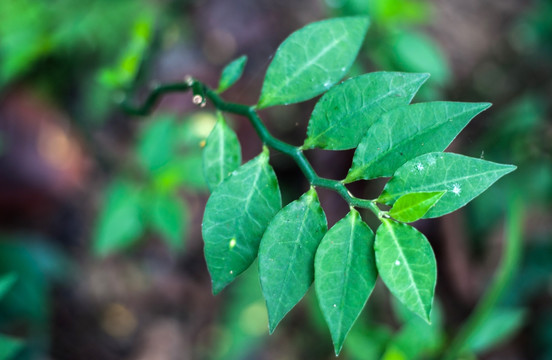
<point>286,254</point>
<point>169,216</point>
<point>9,347</point>
<point>345,274</point>
<point>236,216</point>
<point>343,115</point>
<point>463,178</point>
<point>311,60</point>
<point>415,52</point>
<point>6,283</point>
<point>120,221</point>
<point>231,73</point>
<point>407,266</point>
<point>413,206</point>
<point>222,153</point>
<point>156,143</point>
<point>409,131</point>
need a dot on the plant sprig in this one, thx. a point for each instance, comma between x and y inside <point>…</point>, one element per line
<point>371,113</point>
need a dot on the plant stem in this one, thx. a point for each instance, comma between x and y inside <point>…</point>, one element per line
<point>510,259</point>
<point>203,92</point>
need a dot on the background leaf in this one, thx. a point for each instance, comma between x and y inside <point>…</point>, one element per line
<point>231,73</point>
<point>462,177</point>
<point>413,206</point>
<point>501,324</point>
<point>236,216</point>
<point>407,265</point>
<point>9,347</point>
<point>311,60</point>
<point>222,153</point>
<point>286,254</point>
<point>343,115</point>
<point>345,274</point>
<point>169,216</point>
<point>6,283</point>
<point>407,132</point>
<point>417,339</point>
<point>120,222</point>
<point>156,143</point>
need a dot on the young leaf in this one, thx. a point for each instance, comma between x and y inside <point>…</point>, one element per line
<point>345,274</point>
<point>120,221</point>
<point>463,178</point>
<point>311,60</point>
<point>343,115</point>
<point>407,132</point>
<point>407,266</point>
<point>413,206</point>
<point>231,73</point>
<point>222,153</point>
<point>169,216</point>
<point>236,216</point>
<point>286,254</point>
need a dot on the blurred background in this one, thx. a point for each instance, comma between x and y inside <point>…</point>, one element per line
<point>101,254</point>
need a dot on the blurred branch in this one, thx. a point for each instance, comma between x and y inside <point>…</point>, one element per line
<point>508,266</point>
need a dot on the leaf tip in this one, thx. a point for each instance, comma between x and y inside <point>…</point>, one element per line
<point>485,105</point>
<point>424,77</point>
<point>217,287</point>
<point>338,345</point>
<point>427,317</point>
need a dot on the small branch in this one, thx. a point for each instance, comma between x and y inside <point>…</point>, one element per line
<point>202,92</point>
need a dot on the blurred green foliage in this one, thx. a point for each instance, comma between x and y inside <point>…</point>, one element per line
<point>28,267</point>
<point>147,194</point>
<point>32,31</point>
<point>52,44</point>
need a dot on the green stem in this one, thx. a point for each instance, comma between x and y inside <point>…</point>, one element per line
<point>202,92</point>
<point>510,259</point>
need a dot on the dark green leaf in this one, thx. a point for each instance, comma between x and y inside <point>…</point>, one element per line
<point>345,274</point>
<point>286,254</point>
<point>120,224</point>
<point>462,177</point>
<point>344,114</point>
<point>169,216</point>
<point>407,266</point>
<point>409,131</point>
<point>236,216</point>
<point>311,60</point>
<point>231,73</point>
<point>221,155</point>
<point>413,206</point>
